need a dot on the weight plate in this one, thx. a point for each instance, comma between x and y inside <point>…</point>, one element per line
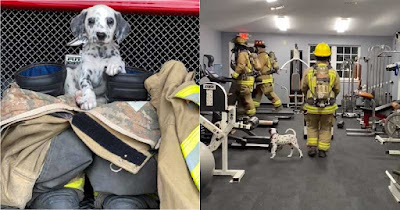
<point>392,125</point>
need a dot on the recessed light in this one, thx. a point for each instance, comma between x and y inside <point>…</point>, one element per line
<point>271,1</point>
<point>277,8</point>
<point>282,22</point>
<point>342,24</point>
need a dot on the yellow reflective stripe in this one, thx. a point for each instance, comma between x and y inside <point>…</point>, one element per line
<point>245,82</point>
<point>249,67</point>
<point>256,103</point>
<point>264,81</point>
<point>235,75</point>
<point>190,142</point>
<point>317,110</point>
<point>268,61</point>
<point>76,183</point>
<point>251,112</point>
<point>95,194</point>
<point>277,103</point>
<point>310,77</point>
<point>195,173</point>
<point>190,93</point>
<point>187,91</point>
<point>191,152</point>
<point>332,77</point>
<point>323,146</point>
<point>322,64</point>
<point>312,141</point>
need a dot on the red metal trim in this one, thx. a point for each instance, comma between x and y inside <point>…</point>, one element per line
<point>154,7</point>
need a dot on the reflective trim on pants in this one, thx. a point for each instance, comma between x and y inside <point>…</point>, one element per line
<point>76,183</point>
<point>251,112</point>
<point>323,146</point>
<point>277,103</point>
<point>256,103</point>
<point>312,141</point>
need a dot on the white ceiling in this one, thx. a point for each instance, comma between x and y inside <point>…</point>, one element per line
<point>367,17</point>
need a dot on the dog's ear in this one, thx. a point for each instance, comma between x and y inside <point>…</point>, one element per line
<point>78,24</point>
<point>123,27</point>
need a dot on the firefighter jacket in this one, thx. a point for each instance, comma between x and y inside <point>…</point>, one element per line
<point>176,98</point>
<point>308,88</point>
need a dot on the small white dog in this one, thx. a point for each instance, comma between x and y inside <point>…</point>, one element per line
<point>95,27</point>
<point>288,139</point>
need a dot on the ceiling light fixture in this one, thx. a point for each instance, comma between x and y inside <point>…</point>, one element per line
<point>277,8</point>
<point>342,24</point>
<point>271,1</point>
<point>282,22</point>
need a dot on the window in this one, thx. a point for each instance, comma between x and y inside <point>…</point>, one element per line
<point>339,54</point>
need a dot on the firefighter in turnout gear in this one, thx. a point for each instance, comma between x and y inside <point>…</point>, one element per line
<point>320,85</point>
<point>265,81</point>
<point>244,74</point>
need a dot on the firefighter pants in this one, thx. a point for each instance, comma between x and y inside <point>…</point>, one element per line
<point>246,99</point>
<point>319,130</point>
<point>266,89</point>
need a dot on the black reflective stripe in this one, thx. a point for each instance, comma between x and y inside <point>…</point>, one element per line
<point>106,139</point>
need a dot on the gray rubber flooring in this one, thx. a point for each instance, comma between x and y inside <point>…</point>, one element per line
<point>351,177</point>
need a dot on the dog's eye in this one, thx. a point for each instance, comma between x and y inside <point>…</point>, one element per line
<point>91,21</point>
<point>110,21</point>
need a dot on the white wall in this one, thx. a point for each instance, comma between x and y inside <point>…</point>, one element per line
<point>210,43</point>
<point>281,44</point>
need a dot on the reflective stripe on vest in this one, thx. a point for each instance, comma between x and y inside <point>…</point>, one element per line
<point>249,67</point>
<point>317,110</point>
<point>190,93</point>
<point>268,61</point>
<point>191,152</point>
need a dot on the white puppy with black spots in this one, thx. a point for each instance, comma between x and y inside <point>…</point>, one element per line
<point>97,26</point>
<point>288,139</point>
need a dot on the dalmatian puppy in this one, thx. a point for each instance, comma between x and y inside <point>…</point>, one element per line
<point>277,140</point>
<point>96,28</point>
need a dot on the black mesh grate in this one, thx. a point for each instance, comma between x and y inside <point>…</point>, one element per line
<point>39,36</point>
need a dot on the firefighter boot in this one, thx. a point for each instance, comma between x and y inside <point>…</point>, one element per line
<point>321,154</point>
<point>312,151</point>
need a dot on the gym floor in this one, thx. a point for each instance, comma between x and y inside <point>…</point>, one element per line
<point>351,177</point>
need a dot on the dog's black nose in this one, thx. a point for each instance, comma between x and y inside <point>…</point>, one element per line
<point>101,35</point>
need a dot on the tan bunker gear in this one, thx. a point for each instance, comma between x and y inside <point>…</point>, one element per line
<point>320,85</point>
<point>243,69</point>
<point>265,82</point>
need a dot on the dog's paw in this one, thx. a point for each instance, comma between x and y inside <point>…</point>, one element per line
<point>78,97</point>
<point>85,101</point>
<point>289,156</point>
<point>272,157</point>
<point>90,104</point>
<point>301,156</point>
<point>113,69</point>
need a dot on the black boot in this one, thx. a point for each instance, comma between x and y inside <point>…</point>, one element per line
<point>321,154</point>
<point>312,151</point>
